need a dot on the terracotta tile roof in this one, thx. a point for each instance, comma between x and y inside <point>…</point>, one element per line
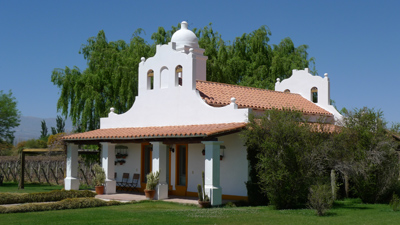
<point>157,132</point>
<point>220,94</point>
<point>325,128</point>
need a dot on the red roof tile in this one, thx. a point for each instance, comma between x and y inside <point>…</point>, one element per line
<point>220,94</point>
<point>157,132</point>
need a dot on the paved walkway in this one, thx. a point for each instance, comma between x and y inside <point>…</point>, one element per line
<point>126,197</point>
<point>137,196</point>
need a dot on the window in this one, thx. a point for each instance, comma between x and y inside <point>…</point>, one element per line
<point>150,80</point>
<point>287,91</point>
<point>314,95</point>
<point>178,75</point>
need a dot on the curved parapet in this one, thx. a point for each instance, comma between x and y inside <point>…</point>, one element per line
<point>313,88</point>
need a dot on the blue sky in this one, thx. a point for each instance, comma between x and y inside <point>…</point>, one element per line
<point>356,42</point>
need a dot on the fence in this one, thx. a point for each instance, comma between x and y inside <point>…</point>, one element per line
<point>42,169</point>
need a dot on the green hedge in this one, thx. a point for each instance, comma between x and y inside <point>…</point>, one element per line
<point>70,203</point>
<point>56,195</point>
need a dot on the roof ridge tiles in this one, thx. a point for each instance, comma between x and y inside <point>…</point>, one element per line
<point>245,87</point>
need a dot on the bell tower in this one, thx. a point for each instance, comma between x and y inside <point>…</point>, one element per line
<point>176,65</point>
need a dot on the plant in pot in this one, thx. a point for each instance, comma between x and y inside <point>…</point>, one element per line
<point>204,200</point>
<point>152,181</point>
<point>99,179</point>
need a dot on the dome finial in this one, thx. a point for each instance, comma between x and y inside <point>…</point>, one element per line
<point>185,37</point>
<point>184,25</point>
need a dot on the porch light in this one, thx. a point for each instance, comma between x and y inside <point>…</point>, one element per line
<point>171,149</point>
<point>221,153</point>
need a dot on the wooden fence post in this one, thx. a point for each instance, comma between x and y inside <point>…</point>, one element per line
<point>22,171</point>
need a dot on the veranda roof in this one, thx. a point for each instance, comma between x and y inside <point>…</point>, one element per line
<point>162,132</point>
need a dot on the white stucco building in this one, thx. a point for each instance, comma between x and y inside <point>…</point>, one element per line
<point>181,124</point>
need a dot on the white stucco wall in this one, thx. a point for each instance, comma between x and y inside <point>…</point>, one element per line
<point>170,104</point>
<point>233,166</point>
<point>132,164</point>
<point>301,83</point>
<point>195,166</point>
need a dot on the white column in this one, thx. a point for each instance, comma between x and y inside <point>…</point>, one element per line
<point>108,159</point>
<point>160,164</point>
<point>71,181</point>
<point>212,171</point>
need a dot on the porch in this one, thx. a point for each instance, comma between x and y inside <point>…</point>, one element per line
<point>180,153</point>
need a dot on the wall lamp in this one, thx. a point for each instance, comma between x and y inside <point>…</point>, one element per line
<point>171,149</point>
<point>221,152</point>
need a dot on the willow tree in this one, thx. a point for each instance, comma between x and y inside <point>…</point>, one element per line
<point>111,77</point>
<point>109,81</point>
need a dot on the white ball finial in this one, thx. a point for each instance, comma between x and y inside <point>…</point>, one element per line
<point>326,74</point>
<point>278,80</point>
<point>112,109</point>
<point>142,59</point>
<point>233,100</point>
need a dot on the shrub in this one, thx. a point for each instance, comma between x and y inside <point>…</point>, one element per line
<point>230,205</point>
<point>255,195</point>
<point>279,144</point>
<point>372,150</point>
<point>100,176</point>
<point>395,202</point>
<point>152,180</point>
<point>55,195</point>
<point>69,203</point>
<point>320,198</point>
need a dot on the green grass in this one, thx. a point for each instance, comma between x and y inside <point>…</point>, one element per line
<point>29,188</point>
<point>158,212</point>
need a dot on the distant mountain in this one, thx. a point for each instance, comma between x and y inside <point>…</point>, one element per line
<point>30,127</point>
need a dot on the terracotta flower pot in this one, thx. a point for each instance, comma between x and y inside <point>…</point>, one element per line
<point>99,190</point>
<point>149,194</point>
<point>204,204</point>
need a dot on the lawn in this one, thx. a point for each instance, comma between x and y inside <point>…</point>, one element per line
<point>29,188</point>
<point>159,212</point>
<point>350,211</point>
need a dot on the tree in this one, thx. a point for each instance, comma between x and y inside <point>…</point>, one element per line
<point>111,77</point>
<point>53,131</point>
<point>371,157</point>
<point>279,144</point>
<point>9,116</point>
<point>60,127</point>
<point>363,152</point>
<point>109,81</point>
<point>43,132</point>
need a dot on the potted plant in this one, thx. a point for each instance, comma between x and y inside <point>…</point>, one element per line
<point>204,200</point>
<point>118,156</point>
<point>121,162</point>
<point>152,181</point>
<point>99,179</point>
